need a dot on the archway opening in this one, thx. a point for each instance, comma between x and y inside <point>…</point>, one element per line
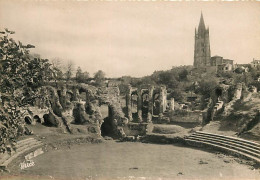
<point>108,126</point>
<point>145,104</point>
<point>134,99</point>
<point>28,120</point>
<point>82,94</point>
<point>69,96</point>
<point>218,92</point>
<point>47,122</point>
<point>59,93</point>
<point>37,118</point>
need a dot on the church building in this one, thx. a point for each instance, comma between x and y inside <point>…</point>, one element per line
<point>202,54</point>
<point>202,45</point>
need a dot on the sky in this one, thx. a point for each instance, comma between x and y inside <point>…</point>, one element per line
<point>132,38</point>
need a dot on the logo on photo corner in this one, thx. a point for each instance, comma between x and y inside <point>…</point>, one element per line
<point>26,164</point>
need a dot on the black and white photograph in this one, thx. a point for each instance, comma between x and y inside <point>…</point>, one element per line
<point>129,90</point>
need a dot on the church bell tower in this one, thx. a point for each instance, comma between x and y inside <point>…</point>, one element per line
<point>202,45</point>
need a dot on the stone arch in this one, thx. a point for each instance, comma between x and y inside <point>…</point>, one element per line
<point>83,94</point>
<point>134,99</point>
<point>156,103</point>
<point>145,103</point>
<point>28,120</point>
<point>107,125</point>
<point>37,119</point>
<point>218,92</point>
<point>81,90</point>
<point>47,122</point>
<point>69,96</point>
<point>79,114</point>
<point>59,93</point>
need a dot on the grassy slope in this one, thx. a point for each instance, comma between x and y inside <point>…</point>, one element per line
<point>243,113</point>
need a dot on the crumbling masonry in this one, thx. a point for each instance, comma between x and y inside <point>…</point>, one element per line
<point>150,101</point>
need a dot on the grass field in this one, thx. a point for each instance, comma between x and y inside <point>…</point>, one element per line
<point>111,160</point>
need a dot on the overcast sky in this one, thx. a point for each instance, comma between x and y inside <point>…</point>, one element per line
<point>133,38</point>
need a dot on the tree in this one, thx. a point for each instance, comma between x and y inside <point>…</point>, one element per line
<point>69,70</point>
<point>183,74</point>
<point>177,95</point>
<point>21,76</point>
<point>57,69</point>
<point>81,77</point>
<point>86,75</point>
<point>99,77</point>
<point>205,87</point>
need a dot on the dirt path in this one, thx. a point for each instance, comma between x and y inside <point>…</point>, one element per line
<point>135,161</point>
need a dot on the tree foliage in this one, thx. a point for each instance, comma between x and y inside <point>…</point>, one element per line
<point>69,70</point>
<point>81,77</point>
<point>183,74</point>
<point>20,77</point>
<point>99,77</point>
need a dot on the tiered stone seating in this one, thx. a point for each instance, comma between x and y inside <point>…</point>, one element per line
<point>22,147</point>
<point>230,145</point>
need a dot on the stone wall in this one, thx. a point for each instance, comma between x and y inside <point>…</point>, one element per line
<point>135,129</point>
<point>187,117</point>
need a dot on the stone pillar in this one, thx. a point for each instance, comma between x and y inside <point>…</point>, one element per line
<point>172,104</point>
<point>238,91</point>
<point>128,99</point>
<point>75,94</point>
<point>164,98</point>
<point>139,105</point>
<point>150,106</point>
<point>161,102</point>
<point>63,96</point>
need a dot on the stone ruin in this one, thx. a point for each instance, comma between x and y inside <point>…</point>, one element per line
<point>79,104</point>
<point>145,103</point>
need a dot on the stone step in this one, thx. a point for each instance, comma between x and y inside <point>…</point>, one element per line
<point>228,141</point>
<point>224,144</point>
<point>21,147</point>
<point>239,139</point>
<point>228,144</point>
<point>223,149</point>
<point>228,138</point>
<point>18,150</point>
<point>25,143</point>
<point>6,162</point>
<point>24,140</point>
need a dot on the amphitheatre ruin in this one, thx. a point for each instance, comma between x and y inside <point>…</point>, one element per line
<point>189,122</point>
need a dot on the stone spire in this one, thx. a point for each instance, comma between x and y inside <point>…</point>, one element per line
<point>201,28</point>
<point>202,45</point>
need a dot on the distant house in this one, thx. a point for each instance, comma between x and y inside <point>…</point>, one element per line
<point>224,68</point>
<point>255,63</point>
<point>228,61</point>
<point>222,65</point>
<point>113,83</point>
<point>216,60</point>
